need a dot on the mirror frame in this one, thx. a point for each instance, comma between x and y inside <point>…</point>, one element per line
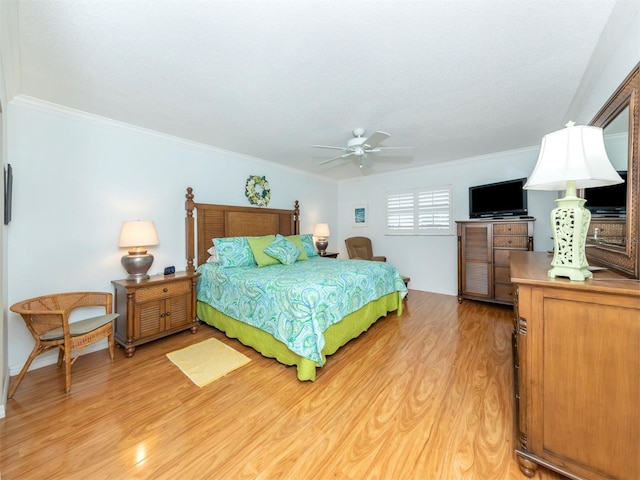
<point>624,260</point>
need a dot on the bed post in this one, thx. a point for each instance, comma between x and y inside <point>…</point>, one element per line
<point>189,205</point>
<point>296,218</point>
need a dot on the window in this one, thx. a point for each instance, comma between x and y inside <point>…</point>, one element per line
<point>421,211</point>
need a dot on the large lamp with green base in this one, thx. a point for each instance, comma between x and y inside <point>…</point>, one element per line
<point>572,158</point>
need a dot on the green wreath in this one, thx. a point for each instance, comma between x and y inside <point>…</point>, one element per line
<point>257,190</point>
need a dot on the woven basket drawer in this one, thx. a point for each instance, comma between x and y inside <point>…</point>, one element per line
<point>162,291</point>
<point>510,229</point>
<point>510,242</point>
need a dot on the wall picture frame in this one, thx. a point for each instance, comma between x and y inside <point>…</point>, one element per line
<point>360,215</point>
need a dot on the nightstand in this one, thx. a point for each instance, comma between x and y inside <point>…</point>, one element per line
<point>330,255</point>
<point>154,308</point>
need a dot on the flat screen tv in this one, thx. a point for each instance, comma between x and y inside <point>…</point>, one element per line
<point>609,201</point>
<point>497,200</point>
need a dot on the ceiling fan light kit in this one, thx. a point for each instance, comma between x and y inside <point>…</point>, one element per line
<point>359,146</point>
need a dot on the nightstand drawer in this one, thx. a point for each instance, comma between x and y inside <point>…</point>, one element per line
<point>165,290</point>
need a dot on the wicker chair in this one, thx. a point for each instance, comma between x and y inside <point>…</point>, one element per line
<point>47,318</point>
<point>360,248</point>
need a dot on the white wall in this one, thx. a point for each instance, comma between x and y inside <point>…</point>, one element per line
<point>77,177</point>
<point>431,261</point>
<point>618,53</point>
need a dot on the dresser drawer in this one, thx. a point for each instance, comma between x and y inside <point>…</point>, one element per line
<point>501,257</point>
<point>165,290</point>
<point>510,242</point>
<point>510,229</point>
<point>502,274</point>
<point>504,292</point>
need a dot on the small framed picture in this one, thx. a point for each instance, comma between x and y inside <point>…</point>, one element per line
<point>360,215</point>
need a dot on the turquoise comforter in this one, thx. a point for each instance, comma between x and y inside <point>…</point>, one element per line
<point>297,303</point>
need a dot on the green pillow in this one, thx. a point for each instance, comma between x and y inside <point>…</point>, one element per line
<point>297,241</point>
<point>257,245</point>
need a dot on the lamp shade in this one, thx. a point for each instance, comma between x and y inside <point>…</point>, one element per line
<point>575,153</point>
<point>321,230</point>
<point>138,234</point>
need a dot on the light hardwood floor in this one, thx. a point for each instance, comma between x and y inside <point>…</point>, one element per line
<point>424,396</point>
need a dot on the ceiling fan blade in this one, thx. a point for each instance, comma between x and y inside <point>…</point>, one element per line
<point>344,155</point>
<point>376,138</point>
<point>328,146</point>
<point>388,148</point>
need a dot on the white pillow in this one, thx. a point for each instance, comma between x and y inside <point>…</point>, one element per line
<point>213,255</point>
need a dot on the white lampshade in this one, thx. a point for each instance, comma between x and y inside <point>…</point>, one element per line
<point>138,234</point>
<point>321,230</point>
<point>573,153</point>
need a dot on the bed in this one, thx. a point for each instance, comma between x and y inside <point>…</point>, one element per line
<point>297,310</point>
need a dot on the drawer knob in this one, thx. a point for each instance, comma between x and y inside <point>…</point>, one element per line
<point>165,289</point>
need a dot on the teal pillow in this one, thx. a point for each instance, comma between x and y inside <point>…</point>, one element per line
<point>297,241</point>
<point>284,250</point>
<point>307,243</point>
<point>258,244</point>
<point>234,252</point>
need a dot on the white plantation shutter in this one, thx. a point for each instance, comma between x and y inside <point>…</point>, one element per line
<point>421,211</point>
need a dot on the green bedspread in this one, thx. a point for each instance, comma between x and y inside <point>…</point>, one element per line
<point>297,303</point>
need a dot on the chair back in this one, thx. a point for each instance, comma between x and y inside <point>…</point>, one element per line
<point>359,247</point>
<point>46,313</point>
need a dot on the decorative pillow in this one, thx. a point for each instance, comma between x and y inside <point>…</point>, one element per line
<point>297,241</point>
<point>234,252</point>
<point>307,243</point>
<point>213,256</point>
<point>258,244</point>
<point>283,250</point>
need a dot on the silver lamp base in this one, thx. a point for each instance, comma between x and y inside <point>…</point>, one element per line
<point>137,265</point>
<point>321,245</point>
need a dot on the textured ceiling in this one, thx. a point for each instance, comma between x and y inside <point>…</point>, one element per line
<point>268,79</point>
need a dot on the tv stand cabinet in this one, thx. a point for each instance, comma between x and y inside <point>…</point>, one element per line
<point>484,248</point>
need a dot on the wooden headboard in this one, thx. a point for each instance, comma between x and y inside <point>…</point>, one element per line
<point>216,221</point>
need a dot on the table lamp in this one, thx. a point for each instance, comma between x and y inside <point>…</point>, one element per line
<point>136,235</point>
<point>571,158</point>
<point>321,232</point>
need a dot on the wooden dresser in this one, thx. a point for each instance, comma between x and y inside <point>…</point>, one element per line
<point>577,371</point>
<point>484,247</point>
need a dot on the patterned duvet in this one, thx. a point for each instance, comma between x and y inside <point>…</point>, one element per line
<point>297,303</point>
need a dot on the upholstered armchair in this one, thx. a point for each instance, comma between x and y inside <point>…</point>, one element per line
<point>360,248</point>
<point>47,319</point>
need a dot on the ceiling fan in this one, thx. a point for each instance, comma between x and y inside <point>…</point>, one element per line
<point>359,146</point>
